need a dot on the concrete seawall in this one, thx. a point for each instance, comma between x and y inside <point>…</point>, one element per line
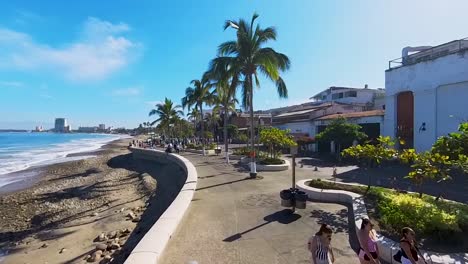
<point>151,246</point>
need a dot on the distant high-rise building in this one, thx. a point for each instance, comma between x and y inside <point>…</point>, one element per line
<point>61,125</point>
<point>102,127</point>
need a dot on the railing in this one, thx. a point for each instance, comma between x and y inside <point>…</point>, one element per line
<point>430,54</point>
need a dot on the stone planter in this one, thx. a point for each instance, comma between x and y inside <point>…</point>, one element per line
<point>280,167</point>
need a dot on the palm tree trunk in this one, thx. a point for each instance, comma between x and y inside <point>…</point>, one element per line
<point>202,131</point>
<point>253,168</point>
<point>225,133</point>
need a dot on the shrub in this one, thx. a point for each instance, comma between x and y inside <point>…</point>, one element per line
<point>211,146</point>
<point>243,151</point>
<point>439,220</point>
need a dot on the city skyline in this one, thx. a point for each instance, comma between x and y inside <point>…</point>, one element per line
<point>93,64</point>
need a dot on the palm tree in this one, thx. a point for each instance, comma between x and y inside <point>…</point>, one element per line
<point>195,97</point>
<point>249,53</point>
<point>167,113</point>
<point>193,116</point>
<point>224,73</point>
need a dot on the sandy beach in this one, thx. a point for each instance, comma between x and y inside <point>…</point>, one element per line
<point>59,217</point>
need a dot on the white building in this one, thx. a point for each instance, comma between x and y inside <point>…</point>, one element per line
<point>371,98</point>
<point>427,93</point>
<point>301,122</point>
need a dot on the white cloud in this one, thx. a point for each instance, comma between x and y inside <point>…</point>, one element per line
<point>100,51</point>
<point>132,91</point>
<point>11,84</point>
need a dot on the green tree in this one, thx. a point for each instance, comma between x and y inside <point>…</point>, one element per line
<point>426,166</point>
<point>248,54</point>
<point>167,114</point>
<point>232,131</point>
<point>342,133</point>
<point>276,139</point>
<point>372,153</point>
<point>454,146</point>
<point>195,97</point>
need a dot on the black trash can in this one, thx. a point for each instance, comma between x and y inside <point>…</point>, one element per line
<point>301,198</point>
<point>286,198</point>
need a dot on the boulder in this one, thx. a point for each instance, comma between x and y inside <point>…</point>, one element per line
<point>101,247</point>
<point>136,219</point>
<point>62,250</point>
<point>44,245</point>
<point>96,256</point>
<point>115,245</point>
<point>112,234</point>
<point>102,237</point>
<point>131,215</point>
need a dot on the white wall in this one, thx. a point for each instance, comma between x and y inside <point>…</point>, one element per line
<point>431,105</point>
<point>299,127</point>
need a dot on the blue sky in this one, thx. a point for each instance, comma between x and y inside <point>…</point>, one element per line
<point>110,61</point>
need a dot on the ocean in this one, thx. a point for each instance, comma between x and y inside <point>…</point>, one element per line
<point>19,151</point>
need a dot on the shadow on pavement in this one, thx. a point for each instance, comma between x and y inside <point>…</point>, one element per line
<point>283,217</point>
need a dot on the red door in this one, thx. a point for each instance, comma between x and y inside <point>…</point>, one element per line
<point>405,119</point>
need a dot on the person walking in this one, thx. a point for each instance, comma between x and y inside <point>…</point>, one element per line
<point>368,251</point>
<point>409,251</point>
<point>320,246</point>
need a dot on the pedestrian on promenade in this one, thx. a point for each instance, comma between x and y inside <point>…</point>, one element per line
<point>368,251</point>
<point>409,251</point>
<point>320,246</point>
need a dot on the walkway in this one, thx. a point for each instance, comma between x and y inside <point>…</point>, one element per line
<point>233,219</point>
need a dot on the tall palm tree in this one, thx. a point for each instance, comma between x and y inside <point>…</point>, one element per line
<point>195,97</point>
<point>249,53</point>
<point>167,113</point>
<point>225,74</point>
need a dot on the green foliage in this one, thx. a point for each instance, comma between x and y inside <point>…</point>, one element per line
<point>233,131</point>
<point>211,146</point>
<point>243,151</point>
<point>372,154</point>
<point>440,220</point>
<point>242,138</point>
<point>208,135</point>
<point>437,219</point>
<point>341,132</point>
<point>454,146</point>
<point>276,139</point>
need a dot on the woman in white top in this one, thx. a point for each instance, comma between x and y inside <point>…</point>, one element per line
<point>320,246</point>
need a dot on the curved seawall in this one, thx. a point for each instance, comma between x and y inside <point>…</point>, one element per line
<point>180,185</point>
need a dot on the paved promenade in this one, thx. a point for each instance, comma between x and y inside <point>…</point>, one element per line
<point>233,219</point>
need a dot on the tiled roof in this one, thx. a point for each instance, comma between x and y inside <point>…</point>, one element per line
<point>354,114</point>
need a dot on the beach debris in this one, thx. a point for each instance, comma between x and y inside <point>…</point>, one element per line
<point>87,257</point>
<point>136,219</point>
<point>62,250</point>
<point>95,214</point>
<point>101,247</point>
<point>123,209</point>
<point>44,245</point>
<point>127,231</point>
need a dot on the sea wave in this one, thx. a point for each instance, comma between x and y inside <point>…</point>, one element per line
<point>18,159</point>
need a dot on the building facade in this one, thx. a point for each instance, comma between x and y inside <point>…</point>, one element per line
<point>426,94</point>
<point>371,98</point>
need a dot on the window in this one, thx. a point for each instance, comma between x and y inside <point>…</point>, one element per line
<point>351,94</point>
<point>337,95</point>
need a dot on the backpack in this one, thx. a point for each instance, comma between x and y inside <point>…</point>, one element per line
<point>397,256</point>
